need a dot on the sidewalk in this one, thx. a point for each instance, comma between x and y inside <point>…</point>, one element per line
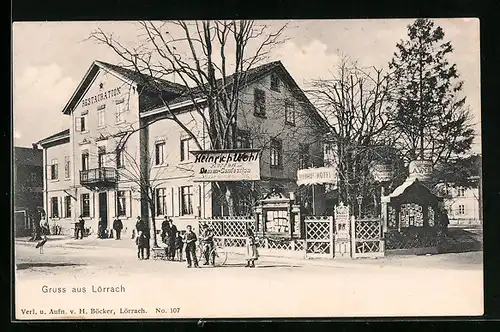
<point>458,261</point>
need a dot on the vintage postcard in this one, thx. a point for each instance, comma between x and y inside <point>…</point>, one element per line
<point>247,169</point>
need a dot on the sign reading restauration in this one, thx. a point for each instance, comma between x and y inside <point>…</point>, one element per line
<point>227,165</point>
<point>318,175</point>
<point>100,97</point>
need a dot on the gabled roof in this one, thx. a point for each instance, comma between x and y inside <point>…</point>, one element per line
<point>253,75</point>
<point>177,93</point>
<point>141,78</point>
<point>409,182</point>
<point>128,76</point>
<point>54,138</point>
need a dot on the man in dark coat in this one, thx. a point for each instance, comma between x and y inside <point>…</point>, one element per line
<point>143,229</point>
<point>445,221</point>
<point>164,226</point>
<point>80,227</point>
<point>117,226</point>
<point>190,240</point>
<point>171,234</point>
<point>207,242</point>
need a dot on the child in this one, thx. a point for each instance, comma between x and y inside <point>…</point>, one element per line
<point>179,243</point>
<point>251,249</point>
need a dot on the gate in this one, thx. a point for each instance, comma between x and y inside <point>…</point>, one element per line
<point>319,236</point>
<point>367,240</point>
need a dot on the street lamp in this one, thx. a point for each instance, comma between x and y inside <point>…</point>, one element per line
<point>360,200</point>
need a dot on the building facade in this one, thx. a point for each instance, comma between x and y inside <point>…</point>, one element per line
<point>124,156</point>
<point>28,183</point>
<point>463,206</point>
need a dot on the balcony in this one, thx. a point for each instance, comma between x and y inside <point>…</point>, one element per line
<point>99,177</point>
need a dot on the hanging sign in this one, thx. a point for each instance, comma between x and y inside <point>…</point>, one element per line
<point>320,175</point>
<point>381,172</point>
<point>227,165</point>
<point>420,169</point>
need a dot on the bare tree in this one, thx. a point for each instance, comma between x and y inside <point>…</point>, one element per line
<point>144,180</point>
<point>356,103</point>
<point>212,60</point>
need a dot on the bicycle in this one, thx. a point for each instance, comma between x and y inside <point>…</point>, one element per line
<point>218,254</point>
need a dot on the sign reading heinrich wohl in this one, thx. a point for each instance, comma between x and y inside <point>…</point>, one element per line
<point>227,165</point>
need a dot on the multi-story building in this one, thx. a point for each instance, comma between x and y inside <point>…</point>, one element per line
<point>122,132</point>
<point>28,182</point>
<point>463,206</point>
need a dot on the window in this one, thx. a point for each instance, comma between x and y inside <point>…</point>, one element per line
<point>81,122</point>
<point>54,170</point>
<point>289,113</point>
<point>461,209</point>
<point>461,192</point>
<point>275,82</point>
<point>303,156</point>
<point>185,155</point>
<point>101,118</point>
<point>122,203</point>
<point>67,206</point>
<point>101,155</point>
<point>85,200</point>
<point>259,102</point>
<point>120,111</point>
<point>159,152</point>
<point>85,160</point>
<point>186,200</point>
<point>66,167</point>
<point>276,153</point>
<point>120,160</point>
<point>54,207</point>
<point>243,140</point>
<point>160,202</point>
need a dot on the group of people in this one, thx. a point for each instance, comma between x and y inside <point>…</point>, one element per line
<point>176,242</point>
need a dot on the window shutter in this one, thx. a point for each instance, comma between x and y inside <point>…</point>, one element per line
<point>49,208</point>
<point>128,203</point>
<point>171,201</point>
<point>179,200</point>
<point>62,212</point>
<point>49,172</point>
<point>91,201</point>
<point>112,205</point>
<point>78,124</point>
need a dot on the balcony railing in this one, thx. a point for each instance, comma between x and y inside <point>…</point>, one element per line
<point>96,176</point>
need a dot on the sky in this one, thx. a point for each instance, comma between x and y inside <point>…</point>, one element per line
<point>51,58</point>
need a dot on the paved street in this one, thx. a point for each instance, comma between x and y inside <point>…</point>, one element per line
<point>450,284</point>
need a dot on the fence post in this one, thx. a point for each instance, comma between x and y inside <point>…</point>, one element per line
<point>332,242</point>
<point>305,238</point>
<point>353,237</point>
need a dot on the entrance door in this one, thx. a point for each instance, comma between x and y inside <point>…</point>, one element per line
<point>103,209</point>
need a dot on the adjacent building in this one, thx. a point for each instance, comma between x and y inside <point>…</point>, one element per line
<point>122,132</point>
<point>28,183</point>
<point>463,206</point>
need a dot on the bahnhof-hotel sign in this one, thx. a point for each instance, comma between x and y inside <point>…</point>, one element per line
<point>100,97</point>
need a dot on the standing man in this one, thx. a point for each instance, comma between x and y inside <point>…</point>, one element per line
<point>164,226</point>
<point>142,227</point>
<point>171,233</point>
<point>207,241</point>
<point>100,229</point>
<point>445,221</point>
<point>117,226</point>
<point>190,240</point>
<point>80,227</point>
